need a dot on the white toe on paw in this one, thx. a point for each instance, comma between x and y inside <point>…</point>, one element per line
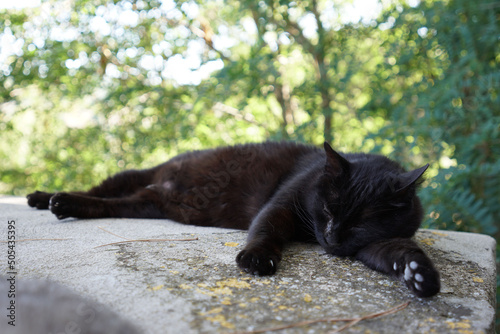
<point>413,265</point>
<point>419,278</point>
<point>407,273</point>
<point>395,266</point>
<point>418,286</point>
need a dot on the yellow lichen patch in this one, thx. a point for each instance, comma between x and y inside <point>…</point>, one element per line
<point>439,233</point>
<point>428,241</point>
<point>465,324</point>
<point>242,305</point>
<point>226,301</point>
<point>477,280</point>
<point>175,272</point>
<point>221,320</point>
<point>222,291</point>
<point>283,308</point>
<point>465,331</point>
<point>280,294</point>
<point>223,287</point>
<point>233,283</point>
<point>254,299</point>
<point>307,298</point>
<point>431,320</point>
<point>156,288</point>
<point>185,286</point>
<point>208,293</point>
<point>231,244</point>
<point>213,311</point>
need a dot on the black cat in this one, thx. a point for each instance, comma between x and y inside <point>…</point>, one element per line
<point>358,205</point>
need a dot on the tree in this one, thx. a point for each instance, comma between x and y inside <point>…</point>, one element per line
<point>81,60</point>
<point>448,109</point>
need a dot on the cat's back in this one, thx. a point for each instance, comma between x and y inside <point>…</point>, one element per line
<point>253,155</point>
<point>255,162</point>
<point>231,183</point>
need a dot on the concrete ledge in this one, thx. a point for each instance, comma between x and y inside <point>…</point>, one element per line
<point>195,286</point>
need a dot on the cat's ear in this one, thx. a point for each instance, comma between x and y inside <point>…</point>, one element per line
<point>336,165</point>
<point>408,179</point>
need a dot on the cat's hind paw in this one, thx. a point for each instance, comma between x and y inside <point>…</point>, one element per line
<point>257,262</point>
<point>39,200</point>
<point>419,275</point>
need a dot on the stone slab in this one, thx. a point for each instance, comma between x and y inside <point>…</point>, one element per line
<point>195,286</point>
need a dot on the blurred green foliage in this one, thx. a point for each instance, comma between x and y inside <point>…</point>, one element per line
<point>91,87</point>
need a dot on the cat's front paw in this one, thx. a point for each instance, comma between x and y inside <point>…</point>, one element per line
<point>61,205</point>
<point>419,275</point>
<point>258,261</point>
<point>39,200</point>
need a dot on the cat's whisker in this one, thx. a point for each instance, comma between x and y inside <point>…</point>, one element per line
<point>306,219</point>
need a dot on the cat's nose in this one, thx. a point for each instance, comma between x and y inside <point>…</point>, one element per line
<point>331,240</point>
<point>331,235</point>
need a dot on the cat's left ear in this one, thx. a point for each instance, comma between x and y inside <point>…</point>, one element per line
<point>408,179</point>
<point>336,164</point>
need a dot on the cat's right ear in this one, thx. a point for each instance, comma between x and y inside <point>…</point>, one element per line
<point>407,180</point>
<point>336,164</point>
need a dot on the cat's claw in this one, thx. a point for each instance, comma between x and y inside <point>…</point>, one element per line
<point>420,277</point>
<point>257,262</point>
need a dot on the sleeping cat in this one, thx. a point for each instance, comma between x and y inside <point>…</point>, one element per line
<point>359,205</point>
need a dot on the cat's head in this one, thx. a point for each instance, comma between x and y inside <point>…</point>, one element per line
<point>362,198</point>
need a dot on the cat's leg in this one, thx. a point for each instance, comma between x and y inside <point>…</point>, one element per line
<point>119,185</point>
<point>143,204</point>
<point>403,259</point>
<point>270,229</point>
